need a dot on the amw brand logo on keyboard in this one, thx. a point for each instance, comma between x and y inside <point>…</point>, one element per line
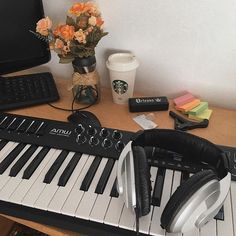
<point>60,132</point>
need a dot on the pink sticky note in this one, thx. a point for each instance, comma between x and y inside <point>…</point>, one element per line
<point>186,98</point>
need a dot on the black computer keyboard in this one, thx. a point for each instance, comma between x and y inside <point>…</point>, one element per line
<point>27,90</point>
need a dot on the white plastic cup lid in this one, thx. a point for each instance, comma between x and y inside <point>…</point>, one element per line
<point>122,62</point>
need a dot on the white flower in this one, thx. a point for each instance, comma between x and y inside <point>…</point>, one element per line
<point>92,20</point>
<point>80,36</point>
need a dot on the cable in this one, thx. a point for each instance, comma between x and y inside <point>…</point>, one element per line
<point>79,92</point>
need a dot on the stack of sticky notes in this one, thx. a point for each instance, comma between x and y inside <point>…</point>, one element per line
<point>193,107</point>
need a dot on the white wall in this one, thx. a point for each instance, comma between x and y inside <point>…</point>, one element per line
<point>181,44</point>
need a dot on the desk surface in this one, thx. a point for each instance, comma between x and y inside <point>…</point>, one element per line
<point>221,129</point>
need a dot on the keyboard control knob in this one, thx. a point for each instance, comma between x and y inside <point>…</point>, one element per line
<point>104,133</point>
<point>93,141</point>
<point>116,135</point>
<point>81,139</point>
<point>91,130</point>
<point>119,146</point>
<point>79,129</point>
<point>106,143</point>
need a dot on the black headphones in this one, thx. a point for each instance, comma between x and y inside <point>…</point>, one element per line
<point>195,201</point>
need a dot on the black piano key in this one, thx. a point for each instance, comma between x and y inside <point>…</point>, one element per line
<point>90,174</point>
<point>114,191</point>
<point>105,176</point>
<point>14,125</point>
<point>11,157</point>
<point>55,167</point>
<point>3,143</point>
<point>220,214</point>
<point>184,176</point>
<point>22,161</point>
<point>35,163</point>
<point>158,187</point>
<point>69,169</point>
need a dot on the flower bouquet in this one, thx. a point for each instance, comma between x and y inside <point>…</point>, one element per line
<point>79,36</point>
<point>75,42</point>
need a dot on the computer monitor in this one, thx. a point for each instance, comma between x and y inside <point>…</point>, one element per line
<point>19,48</point>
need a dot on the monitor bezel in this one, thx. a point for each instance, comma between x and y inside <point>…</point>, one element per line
<point>10,66</point>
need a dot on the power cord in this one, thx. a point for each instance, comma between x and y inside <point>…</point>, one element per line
<point>79,92</point>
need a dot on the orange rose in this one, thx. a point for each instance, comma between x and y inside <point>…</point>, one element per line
<point>43,26</point>
<point>77,9</point>
<point>80,8</point>
<point>59,44</point>
<point>91,8</point>
<point>57,31</point>
<point>65,31</point>
<point>99,22</point>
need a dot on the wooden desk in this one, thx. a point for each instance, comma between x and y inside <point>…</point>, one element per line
<point>221,130</point>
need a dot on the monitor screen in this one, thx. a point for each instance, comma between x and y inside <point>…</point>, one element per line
<point>19,48</point>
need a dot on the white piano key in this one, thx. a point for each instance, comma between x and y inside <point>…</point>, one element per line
<point>175,185</point>
<point>174,234</point>
<point>127,219</point>
<point>38,186</point>
<point>114,211</point>
<point>74,198</point>
<point>145,221</point>
<point>63,191</point>
<point>176,181</point>
<point>226,227</point>
<point>155,228</point>
<point>13,182</point>
<point>209,229</point>
<point>193,232</point>
<point>233,202</point>
<point>5,176</point>
<point>89,197</point>
<point>102,202</point>
<point>50,189</point>
<point>26,184</point>
<point>7,149</point>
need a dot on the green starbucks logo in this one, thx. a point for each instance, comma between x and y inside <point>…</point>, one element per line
<point>120,86</point>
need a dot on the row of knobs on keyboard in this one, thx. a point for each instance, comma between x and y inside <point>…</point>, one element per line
<point>104,133</point>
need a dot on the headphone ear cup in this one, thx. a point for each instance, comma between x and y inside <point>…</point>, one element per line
<point>142,181</point>
<point>182,194</point>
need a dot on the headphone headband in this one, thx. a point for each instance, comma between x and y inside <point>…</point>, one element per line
<point>191,147</point>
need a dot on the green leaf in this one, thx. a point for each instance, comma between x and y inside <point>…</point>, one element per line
<point>104,34</point>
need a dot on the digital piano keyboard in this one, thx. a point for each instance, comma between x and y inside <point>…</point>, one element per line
<point>64,175</point>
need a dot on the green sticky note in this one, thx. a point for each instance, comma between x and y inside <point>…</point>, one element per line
<point>206,114</point>
<point>199,109</point>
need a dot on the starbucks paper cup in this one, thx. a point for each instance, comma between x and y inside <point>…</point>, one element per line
<point>122,69</point>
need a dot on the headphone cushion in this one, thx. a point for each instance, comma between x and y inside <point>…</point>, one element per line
<point>182,194</point>
<point>142,181</point>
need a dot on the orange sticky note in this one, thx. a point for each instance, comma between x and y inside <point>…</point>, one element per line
<point>188,106</point>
